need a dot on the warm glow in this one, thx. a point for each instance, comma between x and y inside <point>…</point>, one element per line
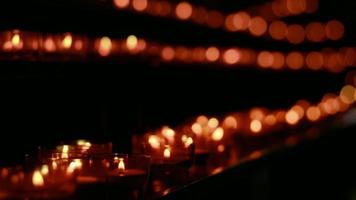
<point>65,150</point>
<point>202,120</point>
<point>332,106</point>
<point>141,44</point>
<point>198,54</point>
<point>71,168</point>
<point>37,179</point>
<point>213,123</point>
<point>347,94</point>
<point>229,23</point>
<point>221,148</point>
<point>184,10</point>
<point>265,59</point>
<point>296,6</point>
<point>197,129</point>
<point>232,56</point>
<point>230,122</point>
<point>78,163</point>
<point>279,8</point>
<point>295,60</point>
<point>255,155</point>
<point>270,120</point>
<point>16,40</point>
<point>67,41</point>
<point>54,165</point>
<point>256,126</point>
<point>131,42</point>
<point>7,46</point>
<point>299,110</point>
<point>184,138</point>
<point>278,60</point>
<point>189,141</point>
<point>241,20</point>
<point>139,5</point>
<point>292,117</point>
<point>182,53</point>
<point>212,54</point>
<point>295,34</point>
<point>334,30</point>
<point>154,141</point>
<point>167,152</point>
<point>167,53</point>
<point>312,6</point>
<point>280,115</point>
<point>315,32</point>
<point>333,61</point>
<point>315,60</point>
<point>75,164</point>
<point>121,3</point>
<point>278,30</point>
<point>257,113</point>
<point>121,165</point>
<point>168,133</point>
<point>44,170</point>
<point>49,45</point>
<point>218,134</point>
<point>258,26</point>
<point>105,46</point>
<point>78,45</point>
<point>313,113</point>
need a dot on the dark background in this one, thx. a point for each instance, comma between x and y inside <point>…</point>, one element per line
<point>43,103</point>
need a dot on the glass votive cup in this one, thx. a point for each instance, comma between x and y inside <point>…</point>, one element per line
<point>17,44</point>
<point>42,182</point>
<point>113,176</point>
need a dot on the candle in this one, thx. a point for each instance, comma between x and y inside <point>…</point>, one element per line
<point>37,179</point>
<point>19,44</point>
<point>41,183</point>
<point>167,152</point>
<point>131,176</point>
<point>166,146</point>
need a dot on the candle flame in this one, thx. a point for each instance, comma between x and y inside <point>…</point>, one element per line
<point>78,163</point>
<point>65,150</point>
<point>168,133</point>
<point>105,46</point>
<point>197,129</point>
<point>44,170</point>
<point>121,165</point>
<point>167,152</point>
<point>256,126</point>
<point>75,164</point>
<point>131,42</point>
<point>37,179</point>
<point>218,134</point>
<point>188,142</point>
<point>54,165</point>
<point>85,145</point>
<point>153,140</point>
<point>213,123</point>
<point>67,41</point>
<point>184,138</point>
<point>16,40</point>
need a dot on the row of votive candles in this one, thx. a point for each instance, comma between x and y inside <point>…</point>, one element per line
<point>78,171</point>
<point>205,135</point>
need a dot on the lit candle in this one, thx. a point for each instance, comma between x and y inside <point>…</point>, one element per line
<point>167,152</point>
<point>121,165</point>
<point>37,179</point>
